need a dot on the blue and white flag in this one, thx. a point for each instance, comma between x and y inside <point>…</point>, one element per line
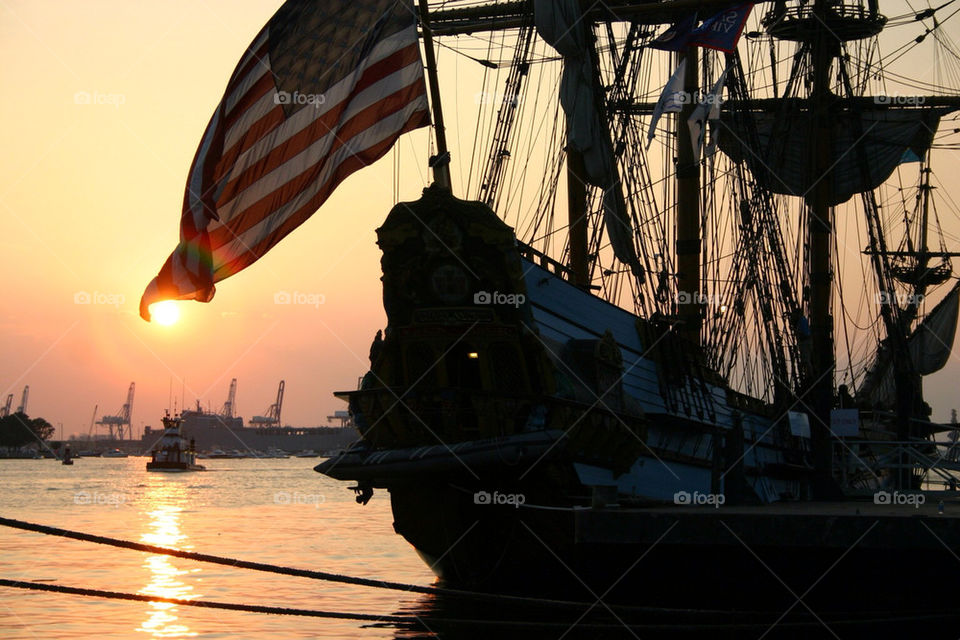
<point>722,31</point>
<point>707,110</point>
<point>671,99</point>
<point>677,36</point>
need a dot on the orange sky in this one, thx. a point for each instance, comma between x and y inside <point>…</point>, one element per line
<point>90,199</point>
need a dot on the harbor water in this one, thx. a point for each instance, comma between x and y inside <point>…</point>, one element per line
<point>276,511</point>
<point>280,512</point>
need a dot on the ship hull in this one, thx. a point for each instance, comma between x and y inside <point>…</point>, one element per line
<point>538,440</point>
<point>174,467</point>
<point>767,558</point>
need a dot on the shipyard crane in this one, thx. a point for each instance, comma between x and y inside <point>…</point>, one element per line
<point>229,407</point>
<point>23,400</point>
<point>93,420</point>
<point>121,421</point>
<point>5,409</point>
<point>272,417</point>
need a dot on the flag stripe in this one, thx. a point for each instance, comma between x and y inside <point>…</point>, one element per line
<point>255,248</point>
<point>387,52</point>
<point>255,134</point>
<point>263,86</point>
<point>256,69</point>
<point>263,203</point>
<point>252,52</point>
<point>241,124</point>
<point>251,167</point>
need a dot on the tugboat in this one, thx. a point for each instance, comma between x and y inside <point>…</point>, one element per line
<point>173,452</point>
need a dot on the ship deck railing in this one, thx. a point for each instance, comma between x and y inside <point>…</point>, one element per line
<point>937,459</point>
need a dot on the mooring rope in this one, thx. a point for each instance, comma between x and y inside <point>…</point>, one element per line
<point>396,586</point>
<point>421,621</point>
<point>252,608</point>
<point>334,577</point>
<point>230,562</point>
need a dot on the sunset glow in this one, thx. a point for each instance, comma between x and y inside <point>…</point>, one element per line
<point>165,313</point>
<point>114,123</point>
<point>164,575</point>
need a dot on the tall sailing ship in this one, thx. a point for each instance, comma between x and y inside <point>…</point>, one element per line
<point>724,291</point>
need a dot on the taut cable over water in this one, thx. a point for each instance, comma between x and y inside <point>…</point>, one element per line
<point>712,619</point>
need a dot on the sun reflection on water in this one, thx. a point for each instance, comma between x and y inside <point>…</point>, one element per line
<point>164,530</point>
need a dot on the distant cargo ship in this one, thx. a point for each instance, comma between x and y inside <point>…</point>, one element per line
<point>212,431</point>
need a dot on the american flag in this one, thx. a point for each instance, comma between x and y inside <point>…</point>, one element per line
<point>326,88</point>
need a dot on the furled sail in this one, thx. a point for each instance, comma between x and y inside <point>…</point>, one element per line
<point>930,346</point>
<point>932,342</point>
<point>867,147</point>
<point>560,23</point>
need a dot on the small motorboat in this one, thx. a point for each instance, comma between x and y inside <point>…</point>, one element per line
<point>114,453</point>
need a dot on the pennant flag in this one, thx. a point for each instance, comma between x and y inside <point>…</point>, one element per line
<point>671,99</point>
<point>676,37</point>
<point>708,109</point>
<point>325,89</point>
<point>722,31</point>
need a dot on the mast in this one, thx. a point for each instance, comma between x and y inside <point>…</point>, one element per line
<point>924,258</point>
<point>825,47</point>
<point>577,215</point>
<point>440,162</point>
<point>688,210</point>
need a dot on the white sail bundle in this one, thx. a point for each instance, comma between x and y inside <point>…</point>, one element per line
<point>930,347</point>
<point>932,342</point>
<point>671,100</point>
<point>703,117</point>
<point>560,23</point>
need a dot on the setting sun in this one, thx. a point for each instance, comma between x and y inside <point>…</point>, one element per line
<point>165,313</point>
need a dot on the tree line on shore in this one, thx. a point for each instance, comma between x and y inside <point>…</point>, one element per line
<point>19,429</point>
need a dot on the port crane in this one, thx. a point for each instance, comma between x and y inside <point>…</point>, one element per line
<point>93,420</point>
<point>230,407</point>
<point>23,400</point>
<point>5,409</point>
<point>119,425</point>
<point>272,417</point>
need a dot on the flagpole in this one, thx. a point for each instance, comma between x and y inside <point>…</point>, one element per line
<point>440,162</point>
